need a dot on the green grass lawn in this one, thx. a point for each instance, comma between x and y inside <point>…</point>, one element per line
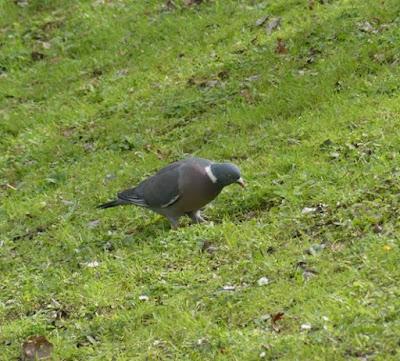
<point>96,95</point>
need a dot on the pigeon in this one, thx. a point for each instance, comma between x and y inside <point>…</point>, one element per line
<point>181,188</point>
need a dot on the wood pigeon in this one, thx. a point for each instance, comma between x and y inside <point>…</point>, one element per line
<point>181,188</point>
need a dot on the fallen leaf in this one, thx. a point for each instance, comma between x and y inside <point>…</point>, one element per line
<point>91,339</point>
<point>202,343</point>
<point>338,86</point>
<point>67,202</point>
<point>93,224</point>
<point>247,96</point>
<point>252,78</point>
<point>223,74</point>
<point>305,327</point>
<point>326,144</point>
<point>108,247</point>
<point>204,83</point>
<point>315,249</point>
<point>280,46</point>
<point>169,5</point>
<point>207,246</point>
<point>366,27</point>
<point>144,298</point>
<point>88,147</point>
<point>263,281</point>
<point>274,319</point>
<point>265,317</point>
<point>68,132</point>
<point>266,346</point>
<point>380,58</point>
<point>334,155</point>
<point>36,348</point>
<point>228,288</point>
<point>262,20</point>
<point>91,264</point>
<point>46,45</point>
<point>109,177</point>
<point>308,273</point>
<point>21,3</point>
<point>211,83</point>
<point>193,2</point>
<point>271,250</point>
<point>274,24</point>
<point>277,316</point>
<point>36,55</point>
<point>378,228</point>
<point>320,208</point>
<point>337,247</point>
<point>308,210</point>
<point>122,73</point>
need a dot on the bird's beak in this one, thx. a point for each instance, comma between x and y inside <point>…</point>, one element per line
<point>241,182</point>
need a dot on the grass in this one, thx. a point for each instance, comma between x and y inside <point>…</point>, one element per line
<point>96,95</point>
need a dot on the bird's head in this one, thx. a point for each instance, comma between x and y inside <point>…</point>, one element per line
<point>226,173</point>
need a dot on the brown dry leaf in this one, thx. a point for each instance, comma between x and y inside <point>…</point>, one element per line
<point>311,4</point>
<point>274,319</point>
<point>280,46</point>
<point>36,348</point>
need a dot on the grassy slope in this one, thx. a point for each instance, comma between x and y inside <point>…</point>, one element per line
<point>121,91</point>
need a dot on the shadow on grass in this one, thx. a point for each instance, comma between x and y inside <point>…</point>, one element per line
<point>249,209</point>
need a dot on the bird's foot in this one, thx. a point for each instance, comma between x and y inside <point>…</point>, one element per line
<point>196,217</point>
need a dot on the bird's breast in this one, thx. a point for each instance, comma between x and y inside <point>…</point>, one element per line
<point>196,191</point>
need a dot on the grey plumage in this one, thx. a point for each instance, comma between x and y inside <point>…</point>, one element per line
<point>181,188</point>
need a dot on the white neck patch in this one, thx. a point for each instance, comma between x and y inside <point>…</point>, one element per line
<point>210,174</point>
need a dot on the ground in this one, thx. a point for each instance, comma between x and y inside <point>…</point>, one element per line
<point>302,265</point>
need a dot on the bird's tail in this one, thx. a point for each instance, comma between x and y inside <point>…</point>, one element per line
<point>114,203</point>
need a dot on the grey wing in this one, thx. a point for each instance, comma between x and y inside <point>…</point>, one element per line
<point>159,191</point>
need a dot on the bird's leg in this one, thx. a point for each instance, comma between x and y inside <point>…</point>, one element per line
<point>174,222</point>
<point>196,217</point>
